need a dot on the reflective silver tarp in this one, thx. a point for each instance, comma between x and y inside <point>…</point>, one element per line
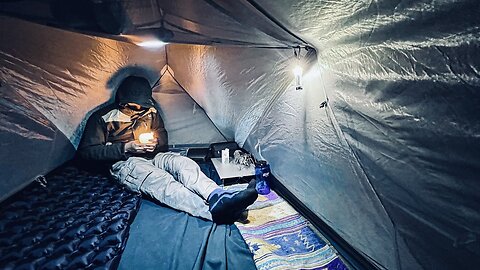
<point>403,82</point>
<point>185,120</point>
<point>392,163</point>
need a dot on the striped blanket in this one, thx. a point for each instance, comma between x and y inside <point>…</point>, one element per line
<point>280,238</point>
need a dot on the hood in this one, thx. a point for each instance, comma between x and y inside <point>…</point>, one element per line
<point>135,89</point>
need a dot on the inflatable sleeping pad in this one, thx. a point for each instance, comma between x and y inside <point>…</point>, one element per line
<point>71,219</point>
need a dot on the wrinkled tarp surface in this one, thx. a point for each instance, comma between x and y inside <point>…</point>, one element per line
<point>391,163</point>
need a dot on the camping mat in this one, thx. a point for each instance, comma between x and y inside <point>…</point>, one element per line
<point>163,238</point>
<point>73,220</point>
<point>280,238</point>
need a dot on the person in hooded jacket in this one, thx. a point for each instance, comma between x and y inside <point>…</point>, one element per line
<point>111,138</point>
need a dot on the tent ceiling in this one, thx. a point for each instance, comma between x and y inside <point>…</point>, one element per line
<point>228,22</point>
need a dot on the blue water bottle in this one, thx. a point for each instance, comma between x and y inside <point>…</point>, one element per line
<point>262,173</point>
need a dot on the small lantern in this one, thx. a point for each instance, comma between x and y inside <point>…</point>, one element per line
<point>145,137</point>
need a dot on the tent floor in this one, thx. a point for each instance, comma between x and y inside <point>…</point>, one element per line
<point>163,238</point>
<point>79,219</point>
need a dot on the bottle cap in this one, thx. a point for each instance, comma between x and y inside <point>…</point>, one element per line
<point>261,163</point>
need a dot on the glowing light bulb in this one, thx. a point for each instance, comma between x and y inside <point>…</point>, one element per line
<point>151,44</point>
<point>297,71</point>
<point>145,137</point>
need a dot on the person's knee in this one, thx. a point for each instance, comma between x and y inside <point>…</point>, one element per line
<point>174,162</point>
<point>134,161</point>
<point>188,163</point>
<point>182,162</point>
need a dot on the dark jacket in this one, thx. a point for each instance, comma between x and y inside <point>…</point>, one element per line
<point>108,129</point>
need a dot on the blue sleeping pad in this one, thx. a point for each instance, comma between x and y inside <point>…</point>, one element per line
<point>77,220</point>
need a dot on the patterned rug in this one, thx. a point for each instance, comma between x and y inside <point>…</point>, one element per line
<point>280,238</point>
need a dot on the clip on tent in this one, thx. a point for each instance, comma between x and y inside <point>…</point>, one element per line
<point>365,110</point>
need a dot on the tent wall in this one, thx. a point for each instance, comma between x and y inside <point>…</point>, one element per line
<point>53,79</point>
<point>29,143</point>
<point>234,85</point>
<point>400,137</point>
<point>185,121</point>
<point>403,82</point>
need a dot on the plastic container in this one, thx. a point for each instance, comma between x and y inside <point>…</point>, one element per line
<point>262,174</point>
<point>225,156</point>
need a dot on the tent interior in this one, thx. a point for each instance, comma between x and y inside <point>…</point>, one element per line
<point>378,139</point>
